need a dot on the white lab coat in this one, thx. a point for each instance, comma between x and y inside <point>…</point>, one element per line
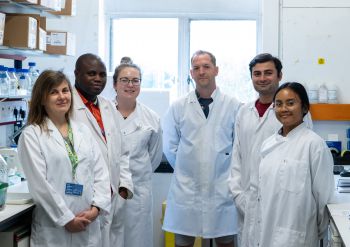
<point>143,137</point>
<point>116,157</point>
<point>250,132</point>
<point>295,184</point>
<point>47,167</point>
<point>199,149</point>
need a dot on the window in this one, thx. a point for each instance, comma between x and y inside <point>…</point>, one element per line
<point>163,48</point>
<point>233,43</point>
<point>152,44</point>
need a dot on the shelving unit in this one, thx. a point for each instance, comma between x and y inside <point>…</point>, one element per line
<point>17,54</point>
<point>8,6</point>
<point>330,112</point>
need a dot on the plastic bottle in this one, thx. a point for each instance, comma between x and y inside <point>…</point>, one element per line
<point>22,83</point>
<point>312,93</point>
<point>28,79</point>
<point>3,182</point>
<point>332,94</point>
<point>322,94</point>
<point>33,74</point>
<point>4,82</point>
<point>13,82</point>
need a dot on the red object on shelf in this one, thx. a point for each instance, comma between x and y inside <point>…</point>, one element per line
<point>7,123</point>
<point>14,57</point>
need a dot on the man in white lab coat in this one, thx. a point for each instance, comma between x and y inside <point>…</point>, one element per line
<point>256,121</point>
<point>100,116</point>
<point>198,138</point>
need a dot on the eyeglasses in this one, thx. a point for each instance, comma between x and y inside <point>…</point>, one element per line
<point>287,103</point>
<point>134,81</point>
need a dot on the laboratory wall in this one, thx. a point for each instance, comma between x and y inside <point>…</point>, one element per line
<point>92,18</point>
<point>301,32</point>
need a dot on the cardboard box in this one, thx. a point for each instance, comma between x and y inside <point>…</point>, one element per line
<point>48,5</point>
<point>20,31</point>
<point>60,42</point>
<point>26,1</point>
<point>2,27</point>
<point>41,44</point>
<point>68,8</point>
<point>41,28</point>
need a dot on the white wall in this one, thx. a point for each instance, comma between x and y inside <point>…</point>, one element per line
<point>272,41</point>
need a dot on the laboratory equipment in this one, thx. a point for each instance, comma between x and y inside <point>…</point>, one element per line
<point>33,74</point>
<point>3,182</point>
<point>10,155</point>
<point>4,82</point>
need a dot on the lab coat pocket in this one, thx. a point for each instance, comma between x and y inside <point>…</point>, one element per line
<point>140,140</point>
<point>48,236</point>
<point>184,190</point>
<point>292,174</point>
<point>120,203</point>
<point>223,139</point>
<point>288,238</point>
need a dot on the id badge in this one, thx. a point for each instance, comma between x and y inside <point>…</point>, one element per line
<point>74,189</point>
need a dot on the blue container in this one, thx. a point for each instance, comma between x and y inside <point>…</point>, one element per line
<point>335,145</point>
<point>348,134</point>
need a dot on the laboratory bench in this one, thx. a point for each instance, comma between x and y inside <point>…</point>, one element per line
<point>339,211</point>
<point>340,224</point>
<point>18,208</point>
<point>13,214</point>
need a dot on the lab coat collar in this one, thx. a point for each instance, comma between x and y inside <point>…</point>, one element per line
<point>277,139</point>
<point>193,100</point>
<point>133,122</point>
<point>270,110</point>
<point>193,96</point>
<point>79,106</point>
<point>54,132</point>
<point>293,132</point>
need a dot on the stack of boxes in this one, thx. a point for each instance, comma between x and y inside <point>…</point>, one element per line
<point>20,31</point>
<point>28,31</point>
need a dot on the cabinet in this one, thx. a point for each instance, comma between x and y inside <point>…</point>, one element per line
<point>330,112</point>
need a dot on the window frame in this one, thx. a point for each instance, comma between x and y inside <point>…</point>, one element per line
<point>184,22</point>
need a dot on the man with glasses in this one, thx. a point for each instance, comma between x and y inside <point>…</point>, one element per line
<point>100,116</point>
<point>255,122</point>
<point>198,138</point>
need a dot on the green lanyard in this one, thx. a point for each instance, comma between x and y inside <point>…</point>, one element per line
<point>69,143</point>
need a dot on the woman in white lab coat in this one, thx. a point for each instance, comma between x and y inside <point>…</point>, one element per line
<point>65,170</point>
<point>142,136</point>
<point>295,177</point>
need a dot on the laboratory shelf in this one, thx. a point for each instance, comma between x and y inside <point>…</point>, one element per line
<point>18,53</point>
<point>8,6</point>
<point>330,112</point>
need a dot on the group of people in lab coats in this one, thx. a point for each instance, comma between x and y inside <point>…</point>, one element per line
<point>256,171</point>
<point>88,161</point>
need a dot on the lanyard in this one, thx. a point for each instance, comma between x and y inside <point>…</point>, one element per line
<point>69,143</point>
